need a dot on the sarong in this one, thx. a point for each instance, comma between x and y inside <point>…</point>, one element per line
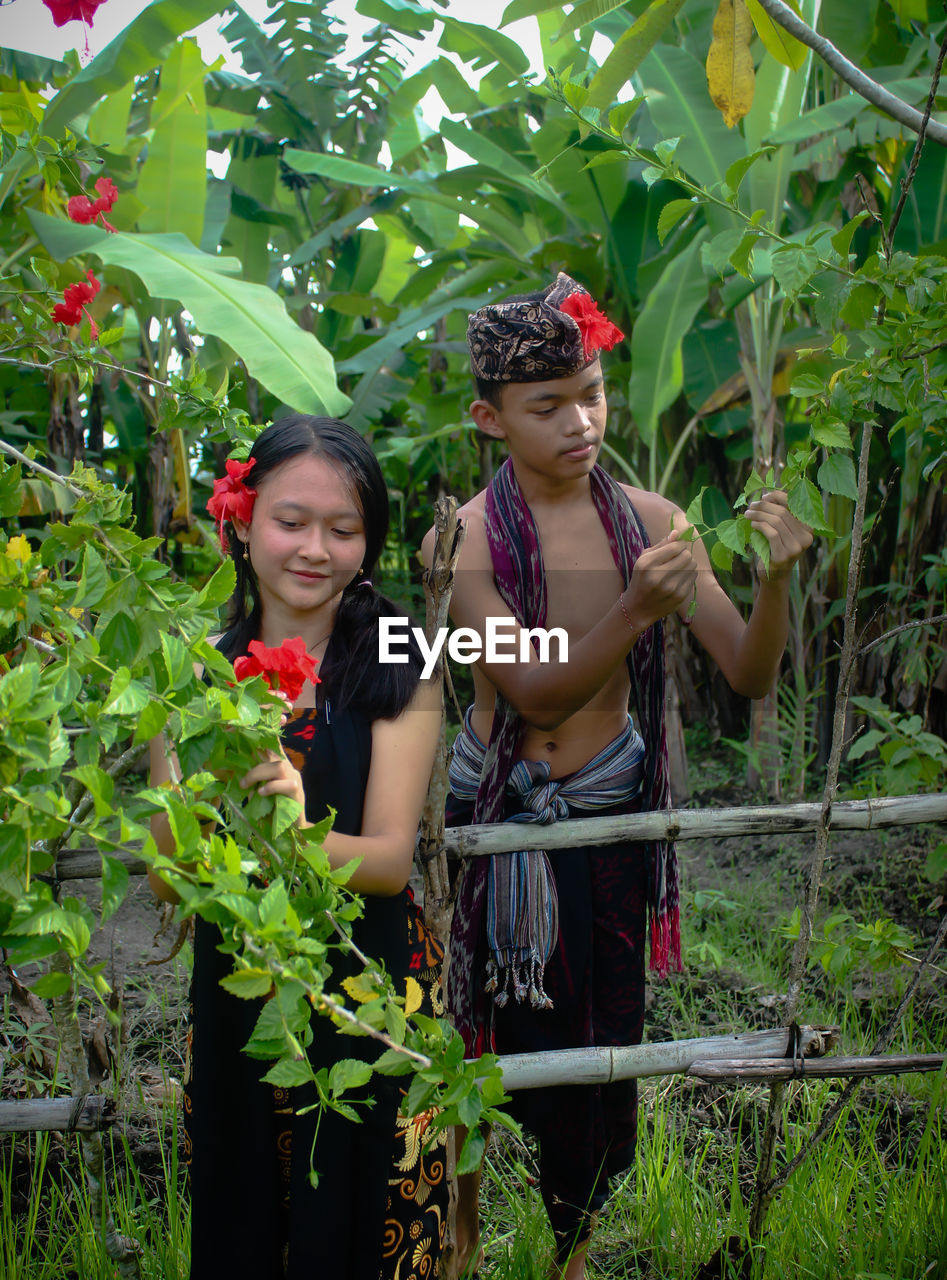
<point>595,980</point>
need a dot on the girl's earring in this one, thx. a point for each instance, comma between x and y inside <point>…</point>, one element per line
<point>245,553</point>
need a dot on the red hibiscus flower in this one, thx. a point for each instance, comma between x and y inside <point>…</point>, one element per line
<point>73,306</point>
<point>232,498</point>
<point>598,332</point>
<point>82,209</point>
<point>285,668</point>
<point>64,11</point>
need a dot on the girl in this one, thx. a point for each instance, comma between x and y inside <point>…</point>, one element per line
<point>305,540</point>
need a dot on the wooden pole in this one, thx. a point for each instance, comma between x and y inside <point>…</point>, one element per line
<point>601,1065</point>
<point>694,824</point>
<point>438,900</point>
<point>669,824</point>
<point>890,1064</point>
<point>66,1115</point>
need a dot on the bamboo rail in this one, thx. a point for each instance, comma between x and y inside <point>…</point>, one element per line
<point>887,1064</point>
<point>67,1115</point>
<point>693,824</point>
<point>668,824</point>
<point>671,1057</point>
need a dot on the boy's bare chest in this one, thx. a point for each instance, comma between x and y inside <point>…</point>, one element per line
<point>582,581</point>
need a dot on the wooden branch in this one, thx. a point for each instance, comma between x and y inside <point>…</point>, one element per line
<point>631,1062</point>
<point>438,585</point>
<point>891,1064</point>
<point>65,1115</point>
<point>86,864</point>
<point>694,824</point>
<point>907,626</point>
<point>810,894</point>
<point>863,85</point>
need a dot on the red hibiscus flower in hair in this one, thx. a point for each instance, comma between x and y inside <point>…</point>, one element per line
<point>73,306</point>
<point>285,668</point>
<point>232,498</point>
<point>83,210</point>
<point>598,332</point>
<point>64,11</point>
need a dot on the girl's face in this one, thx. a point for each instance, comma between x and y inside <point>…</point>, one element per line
<point>306,537</point>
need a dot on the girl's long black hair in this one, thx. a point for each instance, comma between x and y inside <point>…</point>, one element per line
<point>350,673</point>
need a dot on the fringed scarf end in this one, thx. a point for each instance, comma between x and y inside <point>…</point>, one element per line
<point>666,942</point>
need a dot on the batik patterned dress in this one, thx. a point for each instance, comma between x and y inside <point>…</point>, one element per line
<point>379,1210</point>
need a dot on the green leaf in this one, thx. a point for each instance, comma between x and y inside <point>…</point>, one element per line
<point>289,1072</point>
<point>837,475</point>
<point>348,1073</point>
<point>172,182</point>
<point>93,582</point>
<point>794,266</point>
<point>471,1156</point>
<point>805,502</point>
<point>114,885</point>
<point>218,589</point>
<point>807,384</point>
<point>740,168</point>
<point>665,318</point>
<point>935,867</point>
<point>150,723</point>
<point>488,153</point>
<point>251,318</point>
<point>588,11</point>
<point>785,48</point>
<point>629,50</point>
<point>177,660</point>
<point>51,985</point>
<point>842,239</point>
<point>136,49</point>
<point>121,639</point>
<point>832,433</point>
<point>248,983</point>
<point>671,215</point>
<point>482,46</point>
<point>126,696</point>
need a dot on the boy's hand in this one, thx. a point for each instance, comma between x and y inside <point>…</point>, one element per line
<point>664,579</point>
<point>787,536</point>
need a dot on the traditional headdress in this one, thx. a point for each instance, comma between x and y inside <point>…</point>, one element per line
<point>530,341</point>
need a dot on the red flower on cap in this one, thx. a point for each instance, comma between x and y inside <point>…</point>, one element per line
<point>232,498</point>
<point>64,11</point>
<point>598,332</point>
<point>285,668</point>
<point>83,210</point>
<point>73,306</point>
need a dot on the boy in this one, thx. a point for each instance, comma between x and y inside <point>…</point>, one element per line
<point>547,950</point>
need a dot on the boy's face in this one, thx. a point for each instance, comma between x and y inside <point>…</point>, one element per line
<point>554,428</point>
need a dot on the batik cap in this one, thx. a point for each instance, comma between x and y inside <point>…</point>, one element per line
<point>530,341</point>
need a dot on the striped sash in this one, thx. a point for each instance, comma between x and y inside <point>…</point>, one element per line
<point>522,910</point>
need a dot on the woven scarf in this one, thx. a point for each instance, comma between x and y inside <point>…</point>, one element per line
<point>522,906</point>
<point>521,580</point>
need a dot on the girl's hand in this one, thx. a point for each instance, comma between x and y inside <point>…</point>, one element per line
<point>787,537</point>
<point>275,776</point>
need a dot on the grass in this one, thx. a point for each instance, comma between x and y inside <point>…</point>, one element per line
<point>869,1204</point>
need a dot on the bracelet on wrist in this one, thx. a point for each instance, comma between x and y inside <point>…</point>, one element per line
<point>624,612</point>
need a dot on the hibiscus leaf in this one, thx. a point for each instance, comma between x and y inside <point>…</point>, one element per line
<point>249,317</point>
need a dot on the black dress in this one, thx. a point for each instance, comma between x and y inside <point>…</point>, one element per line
<point>379,1210</point>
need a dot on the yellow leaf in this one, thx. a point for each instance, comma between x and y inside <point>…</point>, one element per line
<point>784,47</point>
<point>413,996</point>
<point>18,548</point>
<point>361,989</point>
<point>730,74</point>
